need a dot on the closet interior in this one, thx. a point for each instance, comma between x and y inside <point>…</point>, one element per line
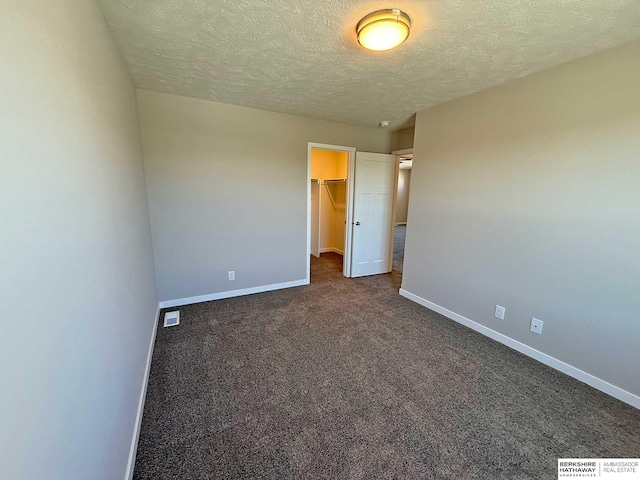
<point>328,201</point>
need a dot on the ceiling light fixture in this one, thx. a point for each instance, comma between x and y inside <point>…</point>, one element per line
<point>384,29</point>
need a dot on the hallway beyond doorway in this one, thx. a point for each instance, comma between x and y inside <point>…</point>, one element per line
<point>399,238</point>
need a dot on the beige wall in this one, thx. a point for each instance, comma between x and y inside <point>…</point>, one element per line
<point>527,195</point>
<point>227,191</point>
<point>402,139</point>
<point>402,202</point>
<point>78,293</point>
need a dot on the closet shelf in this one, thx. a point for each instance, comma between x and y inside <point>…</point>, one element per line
<point>335,180</point>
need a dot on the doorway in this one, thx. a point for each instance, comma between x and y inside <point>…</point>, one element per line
<point>403,189</point>
<point>350,200</point>
<point>330,170</point>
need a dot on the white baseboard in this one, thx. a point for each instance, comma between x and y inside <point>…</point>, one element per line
<point>595,382</point>
<point>143,394</point>
<point>232,293</point>
<point>331,250</point>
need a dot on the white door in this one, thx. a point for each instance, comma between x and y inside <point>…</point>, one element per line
<point>372,206</point>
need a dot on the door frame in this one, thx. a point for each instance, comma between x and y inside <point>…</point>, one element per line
<point>351,151</point>
<point>404,151</point>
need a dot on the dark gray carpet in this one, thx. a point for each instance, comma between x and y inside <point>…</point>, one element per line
<point>345,379</point>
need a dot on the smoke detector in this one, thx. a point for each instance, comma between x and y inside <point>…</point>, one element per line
<point>384,123</point>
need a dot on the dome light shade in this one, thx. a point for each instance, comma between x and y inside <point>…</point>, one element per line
<point>384,29</point>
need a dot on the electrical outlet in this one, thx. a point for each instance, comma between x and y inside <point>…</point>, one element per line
<point>536,326</point>
<point>232,274</point>
<point>500,312</point>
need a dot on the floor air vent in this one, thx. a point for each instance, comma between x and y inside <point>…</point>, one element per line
<point>171,319</point>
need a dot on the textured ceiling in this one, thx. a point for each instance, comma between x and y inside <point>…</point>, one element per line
<point>302,57</point>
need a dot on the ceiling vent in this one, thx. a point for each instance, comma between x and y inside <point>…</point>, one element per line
<point>172,319</point>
